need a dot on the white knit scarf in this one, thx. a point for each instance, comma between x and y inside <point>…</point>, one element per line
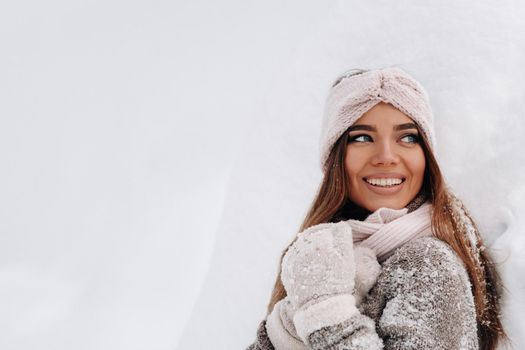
<point>387,229</point>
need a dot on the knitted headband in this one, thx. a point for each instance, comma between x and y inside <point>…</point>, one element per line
<point>354,95</point>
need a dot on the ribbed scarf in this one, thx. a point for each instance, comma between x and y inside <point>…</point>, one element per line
<point>387,229</point>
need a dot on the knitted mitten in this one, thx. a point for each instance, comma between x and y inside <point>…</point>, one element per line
<point>318,275</point>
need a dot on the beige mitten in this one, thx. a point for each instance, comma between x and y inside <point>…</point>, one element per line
<point>318,273</point>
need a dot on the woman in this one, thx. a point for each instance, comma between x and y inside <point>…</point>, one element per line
<point>388,257</point>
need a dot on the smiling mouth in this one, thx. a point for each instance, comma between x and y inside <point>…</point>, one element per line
<point>388,182</point>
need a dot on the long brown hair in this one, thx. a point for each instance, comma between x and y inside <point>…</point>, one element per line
<point>449,224</point>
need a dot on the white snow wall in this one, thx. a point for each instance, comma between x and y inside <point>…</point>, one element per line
<point>469,55</point>
<point>119,123</point>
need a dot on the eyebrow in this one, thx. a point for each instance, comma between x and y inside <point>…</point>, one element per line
<point>373,128</point>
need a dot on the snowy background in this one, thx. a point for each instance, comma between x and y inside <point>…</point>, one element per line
<point>156,156</point>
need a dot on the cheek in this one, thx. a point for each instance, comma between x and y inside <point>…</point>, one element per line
<point>417,166</point>
<point>353,166</point>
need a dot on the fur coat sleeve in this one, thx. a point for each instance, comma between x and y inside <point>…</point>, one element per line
<point>421,300</point>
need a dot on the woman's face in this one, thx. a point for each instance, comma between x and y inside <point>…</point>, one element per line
<point>384,161</point>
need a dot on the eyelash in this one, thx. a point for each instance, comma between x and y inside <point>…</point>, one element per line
<point>353,139</point>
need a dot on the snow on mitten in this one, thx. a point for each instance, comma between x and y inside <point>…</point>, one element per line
<point>367,271</point>
<point>318,273</point>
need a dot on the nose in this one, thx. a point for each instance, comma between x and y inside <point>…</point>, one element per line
<point>385,154</point>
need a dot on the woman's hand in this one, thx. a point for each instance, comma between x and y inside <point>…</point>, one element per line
<point>319,264</point>
<point>318,273</point>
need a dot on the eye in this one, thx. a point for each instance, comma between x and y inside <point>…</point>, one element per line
<point>410,138</point>
<point>360,138</point>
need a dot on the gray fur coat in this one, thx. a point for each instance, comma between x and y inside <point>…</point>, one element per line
<point>421,300</point>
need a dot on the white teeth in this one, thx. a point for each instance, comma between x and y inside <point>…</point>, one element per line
<point>384,182</point>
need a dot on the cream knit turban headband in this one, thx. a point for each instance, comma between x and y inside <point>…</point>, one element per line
<point>355,94</point>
